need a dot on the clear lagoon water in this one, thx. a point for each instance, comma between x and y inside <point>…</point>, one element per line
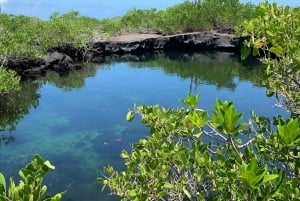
<point>77,121</point>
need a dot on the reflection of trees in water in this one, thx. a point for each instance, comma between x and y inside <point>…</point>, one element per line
<point>6,139</point>
<point>13,107</point>
<point>219,68</point>
<point>73,80</point>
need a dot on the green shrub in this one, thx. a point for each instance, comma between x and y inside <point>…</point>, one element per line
<point>111,26</point>
<point>31,37</point>
<point>220,15</point>
<point>9,81</point>
<point>193,155</point>
<point>274,35</point>
<point>30,187</point>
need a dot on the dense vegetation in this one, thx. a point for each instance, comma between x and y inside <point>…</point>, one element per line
<point>188,16</point>
<point>190,154</point>
<point>30,37</point>
<point>275,32</point>
<point>9,80</point>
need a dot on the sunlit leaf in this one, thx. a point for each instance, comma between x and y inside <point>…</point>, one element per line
<point>130,116</point>
<point>187,193</point>
<point>124,154</point>
<point>258,43</point>
<point>269,33</point>
<point>250,26</point>
<point>269,177</point>
<point>49,165</point>
<point>277,50</point>
<point>168,185</point>
<point>133,193</point>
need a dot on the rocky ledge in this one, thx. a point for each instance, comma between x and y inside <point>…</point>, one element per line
<point>61,59</point>
<point>55,61</point>
<point>136,43</point>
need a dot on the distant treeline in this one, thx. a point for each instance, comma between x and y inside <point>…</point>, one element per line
<point>221,15</point>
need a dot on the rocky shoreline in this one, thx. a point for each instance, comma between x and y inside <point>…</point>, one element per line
<point>63,59</point>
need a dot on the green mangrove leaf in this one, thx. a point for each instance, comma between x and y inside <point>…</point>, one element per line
<point>245,52</point>
<point>269,33</point>
<point>252,175</point>
<point>57,197</point>
<point>297,59</point>
<point>49,165</point>
<point>252,166</point>
<point>133,193</point>
<point>269,177</point>
<point>130,116</point>
<point>2,184</point>
<point>198,119</point>
<point>199,134</point>
<point>187,193</point>
<point>255,52</point>
<point>168,185</point>
<point>124,154</point>
<point>277,50</point>
<point>258,44</point>
<point>43,190</point>
<point>250,26</point>
<point>289,133</point>
<point>191,101</point>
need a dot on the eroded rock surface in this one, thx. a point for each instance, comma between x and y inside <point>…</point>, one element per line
<point>55,61</point>
<point>151,42</point>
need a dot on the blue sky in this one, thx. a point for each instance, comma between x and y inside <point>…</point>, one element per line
<point>94,8</point>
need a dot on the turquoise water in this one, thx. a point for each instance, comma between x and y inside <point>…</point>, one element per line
<point>78,121</point>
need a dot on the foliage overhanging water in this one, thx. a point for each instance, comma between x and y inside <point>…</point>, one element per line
<point>78,121</point>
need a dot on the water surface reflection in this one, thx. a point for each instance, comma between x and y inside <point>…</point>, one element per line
<point>78,121</point>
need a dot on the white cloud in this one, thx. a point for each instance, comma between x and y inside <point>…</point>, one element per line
<point>3,1</point>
